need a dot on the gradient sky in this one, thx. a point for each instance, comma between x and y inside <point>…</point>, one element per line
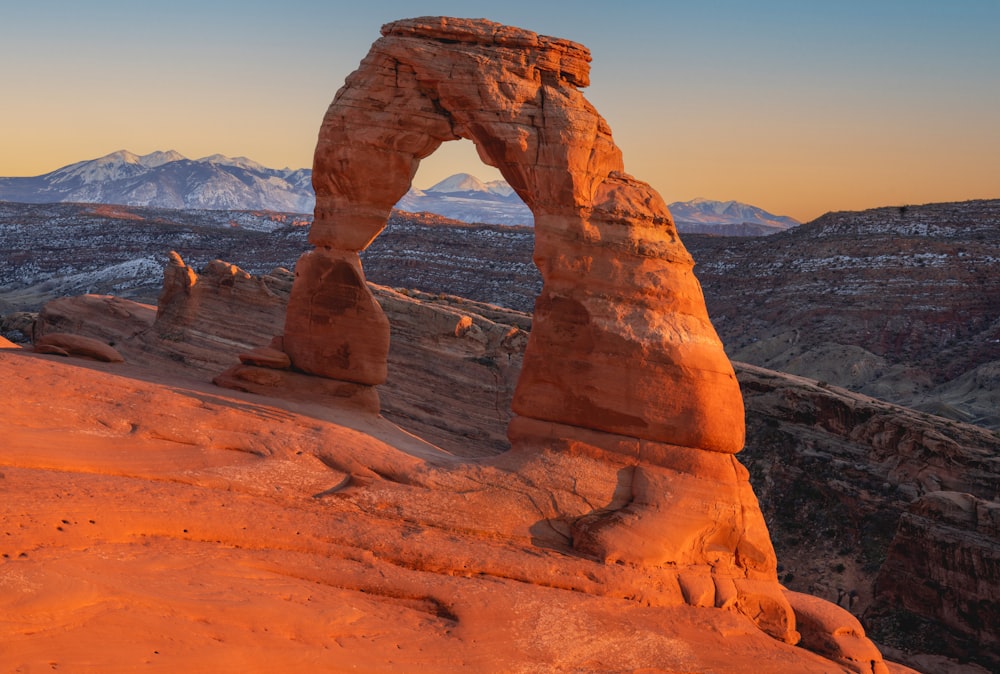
<point>796,106</point>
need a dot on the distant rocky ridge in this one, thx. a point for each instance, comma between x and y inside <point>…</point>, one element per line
<point>898,303</point>
<point>53,250</point>
<point>170,180</point>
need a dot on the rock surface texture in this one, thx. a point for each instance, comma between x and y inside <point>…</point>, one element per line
<point>834,471</point>
<point>940,571</point>
<point>210,527</point>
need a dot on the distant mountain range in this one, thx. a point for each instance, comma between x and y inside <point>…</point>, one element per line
<point>170,180</point>
<point>731,218</point>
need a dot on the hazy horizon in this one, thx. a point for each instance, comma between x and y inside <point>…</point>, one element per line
<point>798,110</point>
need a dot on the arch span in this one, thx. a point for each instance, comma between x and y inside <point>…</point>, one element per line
<point>621,341</point>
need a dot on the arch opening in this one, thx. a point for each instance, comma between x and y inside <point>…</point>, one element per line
<point>458,298</point>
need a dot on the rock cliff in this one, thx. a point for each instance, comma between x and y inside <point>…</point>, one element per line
<point>844,481</point>
<point>939,572</point>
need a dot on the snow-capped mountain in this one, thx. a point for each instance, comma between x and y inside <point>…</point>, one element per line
<point>465,182</point>
<point>169,180</point>
<point>707,216</point>
<point>467,198</point>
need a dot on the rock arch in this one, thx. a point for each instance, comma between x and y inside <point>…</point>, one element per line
<point>621,341</point>
<point>629,412</point>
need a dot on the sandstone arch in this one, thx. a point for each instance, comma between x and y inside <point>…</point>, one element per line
<point>629,412</point>
<point>621,341</point>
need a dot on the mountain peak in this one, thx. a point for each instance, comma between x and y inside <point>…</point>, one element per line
<point>711,212</point>
<point>166,179</point>
<point>238,162</point>
<point>159,158</point>
<point>460,182</point>
<point>118,157</point>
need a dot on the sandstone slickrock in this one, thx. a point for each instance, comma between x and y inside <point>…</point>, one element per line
<point>834,470</point>
<point>208,526</point>
<point>266,356</point>
<point>7,344</point>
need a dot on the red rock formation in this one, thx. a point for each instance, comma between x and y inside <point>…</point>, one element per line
<point>210,527</point>
<point>629,412</point>
<point>542,498</point>
<point>621,341</point>
<point>940,572</point>
<point>452,385</point>
<point>64,344</point>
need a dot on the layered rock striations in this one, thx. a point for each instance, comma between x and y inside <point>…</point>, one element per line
<point>440,345</point>
<point>897,303</point>
<point>939,577</point>
<point>851,487</point>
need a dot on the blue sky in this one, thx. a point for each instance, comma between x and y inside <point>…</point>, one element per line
<point>798,107</point>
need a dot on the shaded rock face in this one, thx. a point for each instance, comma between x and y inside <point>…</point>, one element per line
<point>621,340</point>
<point>452,365</point>
<point>939,577</point>
<point>845,482</point>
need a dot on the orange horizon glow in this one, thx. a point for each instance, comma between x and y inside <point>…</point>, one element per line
<point>796,110</point>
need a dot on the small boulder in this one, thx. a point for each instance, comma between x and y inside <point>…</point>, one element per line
<point>65,344</point>
<point>265,356</point>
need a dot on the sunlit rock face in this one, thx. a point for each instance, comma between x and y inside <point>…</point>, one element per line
<point>621,340</point>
